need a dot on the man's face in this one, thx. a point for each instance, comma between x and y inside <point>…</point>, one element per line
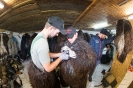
<point>71,40</point>
<point>54,32</point>
<point>103,36</point>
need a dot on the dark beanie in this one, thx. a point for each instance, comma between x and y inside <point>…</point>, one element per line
<point>104,31</point>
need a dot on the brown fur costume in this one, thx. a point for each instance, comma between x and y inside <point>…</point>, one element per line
<point>39,79</point>
<point>74,72</point>
<point>123,39</point>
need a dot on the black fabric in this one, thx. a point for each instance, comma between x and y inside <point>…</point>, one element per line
<point>108,56</point>
<point>25,48</point>
<point>105,59</point>
<point>58,23</point>
<point>104,31</point>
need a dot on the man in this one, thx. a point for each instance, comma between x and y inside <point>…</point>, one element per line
<point>41,73</point>
<point>72,35</point>
<point>80,66</point>
<point>99,41</point>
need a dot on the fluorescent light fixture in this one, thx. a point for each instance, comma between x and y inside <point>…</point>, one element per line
<point>129,11</point>
<point>130,17</point>
<point>6,1</point>
<point>101,25</point>
<point>1,5</point>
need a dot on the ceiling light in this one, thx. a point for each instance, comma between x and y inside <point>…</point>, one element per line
<point>101,25</point>
<point>130,17</point>
<point>129,11</point>
<point>1,5</point>
<point>6,0</point>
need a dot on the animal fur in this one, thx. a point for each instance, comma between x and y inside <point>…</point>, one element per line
<point>5,41</point>
<point>123,39</point>
<point>87,37</point>
<point>84,36</point>
<point>74,72</point>
<point>39,79</point>
<point>3,50</point>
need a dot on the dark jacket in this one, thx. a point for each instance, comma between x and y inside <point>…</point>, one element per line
<point>98,44</point>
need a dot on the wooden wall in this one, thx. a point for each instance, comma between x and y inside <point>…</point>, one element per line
<point>131,21</point>
<point>120,69</point>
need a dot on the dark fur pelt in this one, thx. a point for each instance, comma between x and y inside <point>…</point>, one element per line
<point>80,34</point>
<point>39,79</point>
<point>84,36</point>
<point>123,39</point>
<point>74,72</point>
<point>5,41</point>
<point>87,37</point>
<point>61,38</point>
<point>32,37</point>
<point>30,41</point>
<point>25,46</point>
<point>52,42</point>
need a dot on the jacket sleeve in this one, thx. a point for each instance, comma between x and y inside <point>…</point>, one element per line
<point>109,40</point>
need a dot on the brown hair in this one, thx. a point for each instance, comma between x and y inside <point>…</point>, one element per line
<point>47,25</point>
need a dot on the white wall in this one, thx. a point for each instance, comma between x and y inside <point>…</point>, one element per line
<point>91,32</point>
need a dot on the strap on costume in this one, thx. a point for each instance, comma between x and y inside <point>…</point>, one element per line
<point>36,38</point>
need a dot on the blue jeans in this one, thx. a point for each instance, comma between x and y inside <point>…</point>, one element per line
<point>97,62</point>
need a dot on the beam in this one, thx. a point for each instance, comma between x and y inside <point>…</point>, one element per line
<point>87,10</point>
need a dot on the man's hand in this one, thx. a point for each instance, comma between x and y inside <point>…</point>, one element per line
<point>71,53</point>
<point>64,55</point>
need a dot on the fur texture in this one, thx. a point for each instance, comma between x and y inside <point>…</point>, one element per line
<point>39,79</point>
<point>74,72</point>
<point>123,39</point>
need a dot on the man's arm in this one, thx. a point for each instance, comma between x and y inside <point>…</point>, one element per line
<point>51,66</point>
<point>44,56</point>
<point>109,40</point>
<point>54,55</point>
